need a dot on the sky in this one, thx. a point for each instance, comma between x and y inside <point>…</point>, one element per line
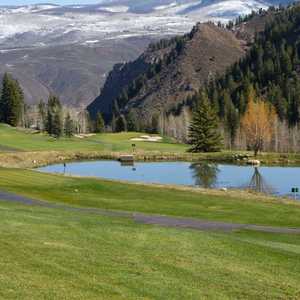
<point>62,2</point>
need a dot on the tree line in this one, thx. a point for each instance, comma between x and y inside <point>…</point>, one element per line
<point>12,107</point>
<point>57,121</point>
<point>50,117</point>
<point>257,101</point>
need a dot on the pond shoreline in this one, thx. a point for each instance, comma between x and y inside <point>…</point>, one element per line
<point>29,160</point>
<point>271,180</point>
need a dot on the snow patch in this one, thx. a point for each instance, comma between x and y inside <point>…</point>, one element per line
<point>115,9</point>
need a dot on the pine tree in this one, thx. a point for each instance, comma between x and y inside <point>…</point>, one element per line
<point>54,117</point>
<point>4,100</point>
<point>99,123</point>
<point>11,102</point>
<point>131,121</point>
<point>120,124</point>
<point>231,121</point>
<point>203,132</point>
<point>57,126</point>
<point>42,115</point>
<point>69,126</point>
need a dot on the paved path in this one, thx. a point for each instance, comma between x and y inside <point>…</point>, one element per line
<point>140,218</point>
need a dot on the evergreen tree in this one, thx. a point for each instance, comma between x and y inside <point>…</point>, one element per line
<point>203,132</point>
<point>271,66</point>
<point>42,115</point>
<point>231,121</point>
<point>54,117</point>
<point>131,121</point>
<point>57,126</point>
<point>4,100</point>
<point>120,124</point>
<point>99,123</point>
<point>11,102</point>
<point>69,126</point>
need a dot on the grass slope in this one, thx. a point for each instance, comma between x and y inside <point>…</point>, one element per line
<point>53,254</point>
<point>13,139</point>
<point>89,192</point>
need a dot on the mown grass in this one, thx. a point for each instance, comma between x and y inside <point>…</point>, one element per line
<point>53,254</point>
<point>89,192</point>
<point>14,139</point>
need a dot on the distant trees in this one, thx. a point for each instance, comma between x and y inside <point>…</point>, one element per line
<point>11,102</point>
<point>132,122</point>
<point>42,116</point>
<point>271,66</point>
<point>54,124</point>
<point>99,123</point>
<point>204,135</point>
<point>258,122</point>
<point>121,124</point>
<point>69,126</point>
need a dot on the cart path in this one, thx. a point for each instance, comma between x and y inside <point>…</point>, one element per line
<point>165,221</point>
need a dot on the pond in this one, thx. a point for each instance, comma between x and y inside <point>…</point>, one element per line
<point>273,180</point>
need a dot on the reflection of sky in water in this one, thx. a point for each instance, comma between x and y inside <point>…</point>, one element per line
<point>281,179</point>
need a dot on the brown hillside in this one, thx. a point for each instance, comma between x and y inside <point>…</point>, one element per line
<point>204,53</point>
<point>210,51</point>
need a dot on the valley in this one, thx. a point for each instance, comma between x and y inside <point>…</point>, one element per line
<point>79,228</point>
<point>85,40</point>
<point>149,149</point>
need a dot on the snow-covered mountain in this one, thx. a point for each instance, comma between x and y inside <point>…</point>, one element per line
<point>48,24</point>
<point>32,37</point>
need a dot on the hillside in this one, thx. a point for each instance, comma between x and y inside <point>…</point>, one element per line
<point>69,50</point>
<point>74,72</point>
<point>167,73</point>
<point>271,67</point>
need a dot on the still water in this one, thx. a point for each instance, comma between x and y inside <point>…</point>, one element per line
<point>274,180</point>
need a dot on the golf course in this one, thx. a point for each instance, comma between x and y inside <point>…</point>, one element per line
<point>72,237</point>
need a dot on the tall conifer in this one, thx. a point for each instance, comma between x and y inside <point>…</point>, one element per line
<point>203,133</point>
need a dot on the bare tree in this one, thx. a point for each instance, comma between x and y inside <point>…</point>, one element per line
<point>258,122</point>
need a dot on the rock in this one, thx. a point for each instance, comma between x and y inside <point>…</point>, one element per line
<point>253,162</point>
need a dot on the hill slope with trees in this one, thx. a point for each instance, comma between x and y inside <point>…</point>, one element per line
<point>170,71</point>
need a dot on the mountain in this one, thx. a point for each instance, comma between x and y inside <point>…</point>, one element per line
<point>68,50</point>
<point>165,75</point>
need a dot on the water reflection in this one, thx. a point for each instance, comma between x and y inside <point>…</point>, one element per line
<point>259,184</point>
<point>277,180</point>
<point>205,174</point>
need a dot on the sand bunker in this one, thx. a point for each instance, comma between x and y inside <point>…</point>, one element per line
<point>83,136</point>
<point>147,138</point>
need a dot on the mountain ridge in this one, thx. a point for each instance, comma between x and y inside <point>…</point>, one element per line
<point>184,67</point>
<point>80,32</point>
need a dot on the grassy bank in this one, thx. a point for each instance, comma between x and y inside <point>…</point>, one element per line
<point>14,139</point>
<point>53,254</point>
<point>42,158</point>
<point>238,207</point>
<point>27,149</point>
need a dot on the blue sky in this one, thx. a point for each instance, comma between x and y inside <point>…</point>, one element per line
<point>22,2</point>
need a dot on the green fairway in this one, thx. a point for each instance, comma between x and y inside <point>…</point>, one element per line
<point>13,139</point>
<point>49,253</point>
<point>97,193</point>
<point>53,254</point>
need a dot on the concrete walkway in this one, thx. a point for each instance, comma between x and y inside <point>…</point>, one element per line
<point>140,218</point>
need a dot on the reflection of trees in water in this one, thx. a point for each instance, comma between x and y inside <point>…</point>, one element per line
<point>205,174</point>
<point>259,184</point>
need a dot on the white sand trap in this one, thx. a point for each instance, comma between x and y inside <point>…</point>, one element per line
<point>147,138</point>
<point>83,136</point>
